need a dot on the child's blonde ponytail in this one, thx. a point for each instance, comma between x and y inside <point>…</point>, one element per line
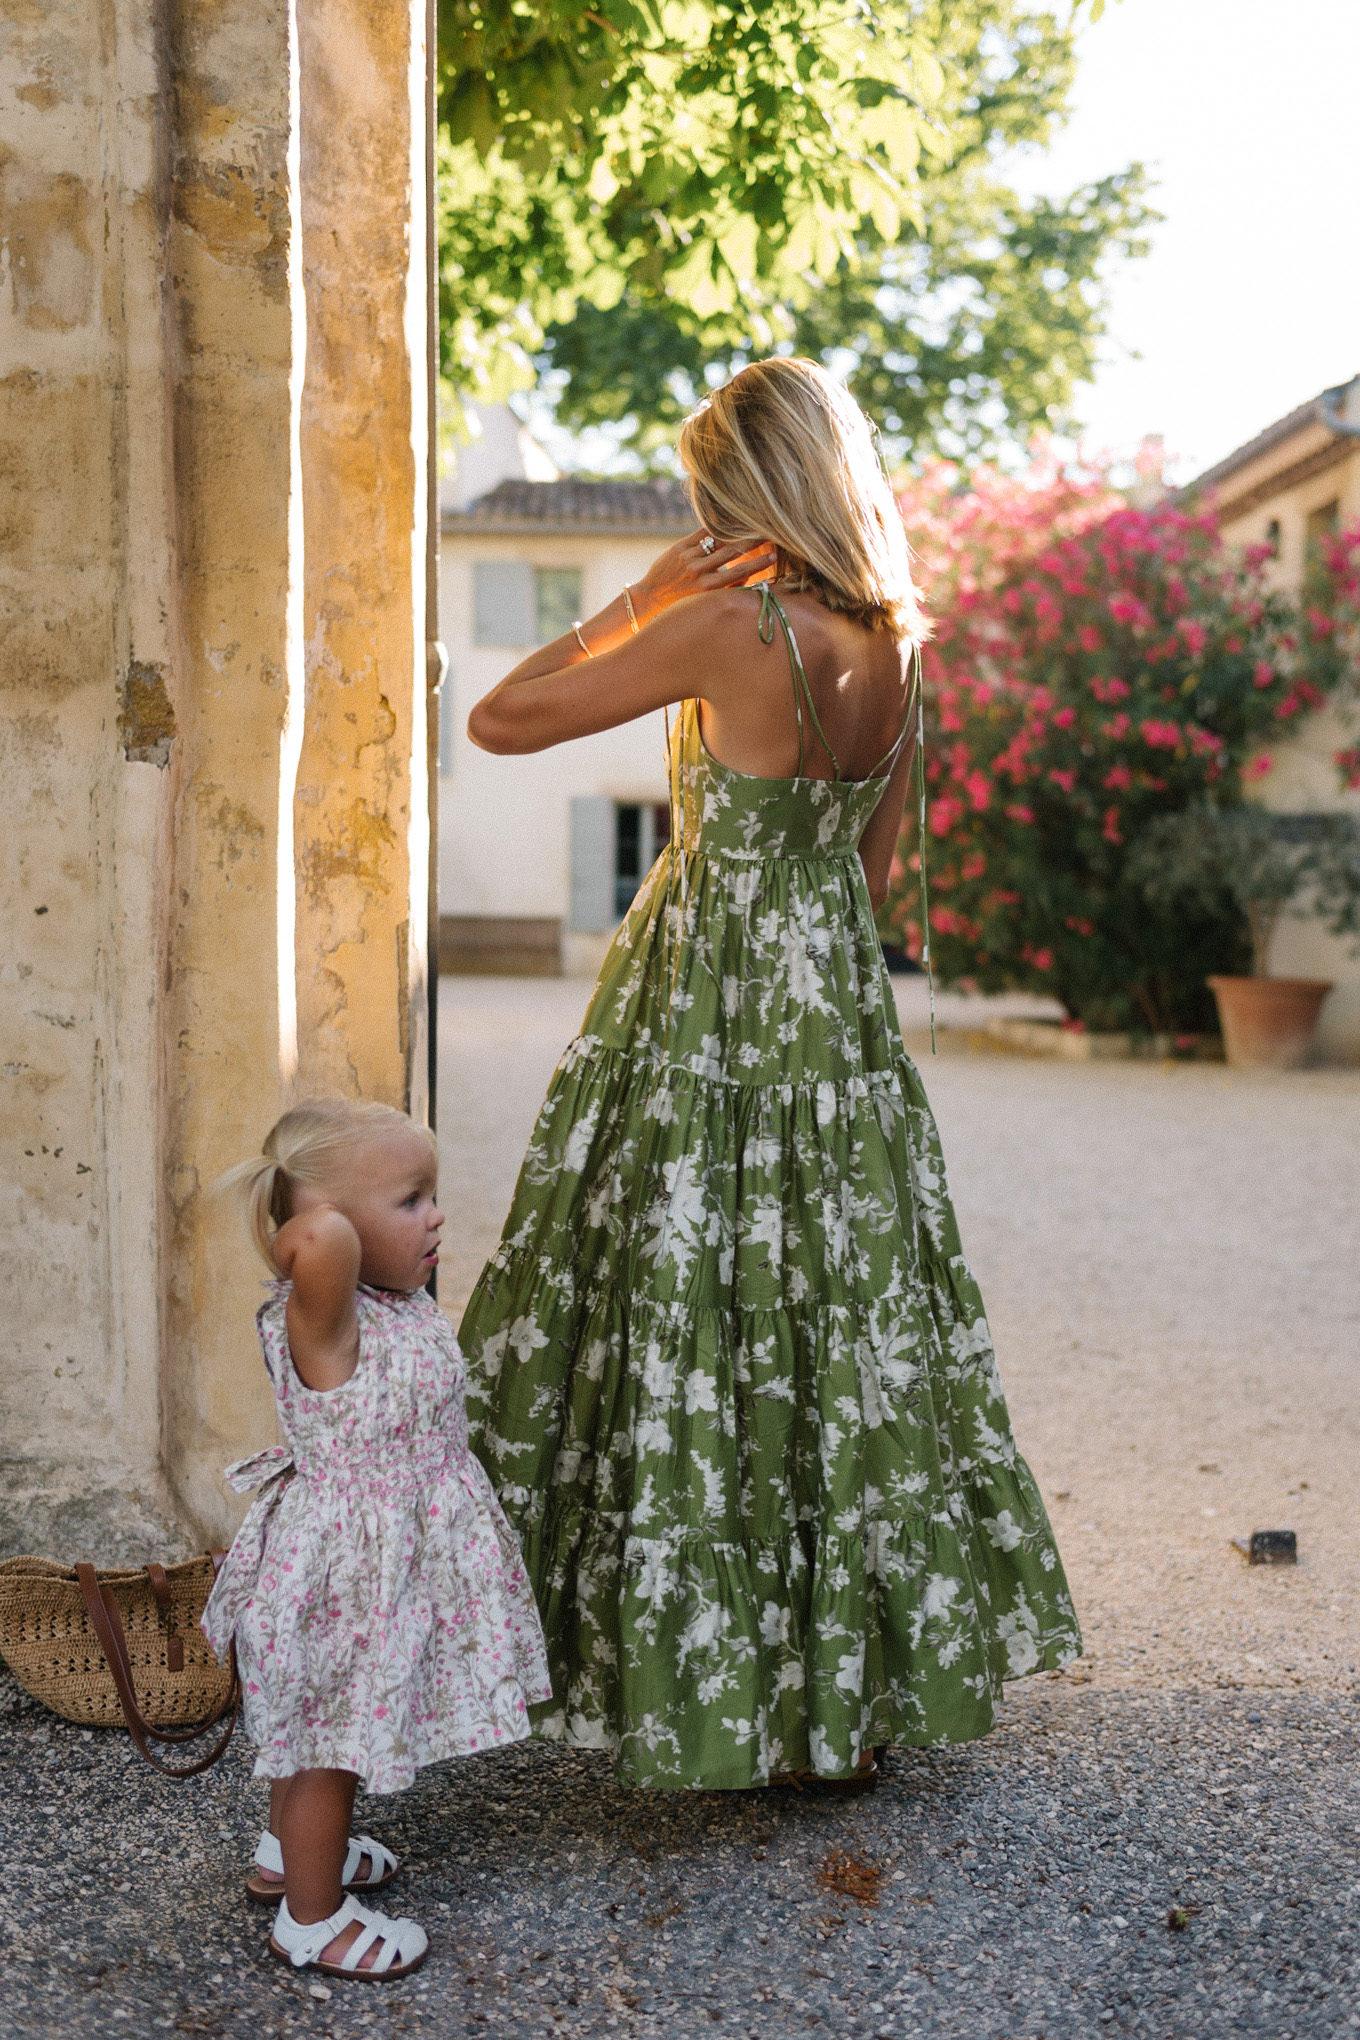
<point>303,1147</point>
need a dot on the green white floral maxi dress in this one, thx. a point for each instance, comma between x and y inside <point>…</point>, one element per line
<point>728,1370</point>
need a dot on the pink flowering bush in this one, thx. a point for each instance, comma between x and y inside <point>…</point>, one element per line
<point>1093,667</point>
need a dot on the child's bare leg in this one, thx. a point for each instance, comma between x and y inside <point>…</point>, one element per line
<point>278,1792</point>
<point>314,1819</point>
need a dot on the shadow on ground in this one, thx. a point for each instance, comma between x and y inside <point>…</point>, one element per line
<point>1015,1887</point>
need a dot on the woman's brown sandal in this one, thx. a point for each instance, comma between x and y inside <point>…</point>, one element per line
<point>266,1886</point>
<point>865,1779</point>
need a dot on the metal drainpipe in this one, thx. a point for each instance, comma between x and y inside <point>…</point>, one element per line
<point>1329,412</point>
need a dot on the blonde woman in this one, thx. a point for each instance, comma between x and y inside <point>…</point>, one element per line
<point>728,1371</point>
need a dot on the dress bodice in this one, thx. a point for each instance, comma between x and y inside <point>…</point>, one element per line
<point>402,1405</point>
<point>736,815</point>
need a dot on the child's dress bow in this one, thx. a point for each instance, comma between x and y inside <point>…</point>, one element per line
<point>259,1470</point>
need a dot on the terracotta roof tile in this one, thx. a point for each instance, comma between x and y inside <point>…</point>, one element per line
<point>580,503</point>
<point>1264,442</point>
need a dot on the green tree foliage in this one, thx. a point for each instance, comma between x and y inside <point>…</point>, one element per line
<point>962,325</point>
<point>713,153</point>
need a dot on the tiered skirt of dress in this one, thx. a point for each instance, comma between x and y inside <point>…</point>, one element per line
<point>728,1370</point>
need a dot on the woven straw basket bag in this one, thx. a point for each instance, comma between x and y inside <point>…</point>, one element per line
<point>120,1649</point>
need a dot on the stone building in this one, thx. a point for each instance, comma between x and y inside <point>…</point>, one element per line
<point>1292,484</point>
<point>215,700</point>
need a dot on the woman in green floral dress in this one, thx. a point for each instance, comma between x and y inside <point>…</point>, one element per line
<point>728,1370</point>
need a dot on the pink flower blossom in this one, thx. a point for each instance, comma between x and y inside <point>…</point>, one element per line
<point>1065,779</point>
<point>1160,736</point>
<point>1065,718</point>
<point>1111,830</point>
<point>1119,778</point>
<point>1089,638</point>
<point>1019,813</point>
<point>1257,768</point>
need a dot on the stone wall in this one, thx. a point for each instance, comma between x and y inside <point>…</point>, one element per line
<point>212,698</point>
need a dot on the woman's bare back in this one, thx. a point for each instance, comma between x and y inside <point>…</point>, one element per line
<point>859,681</point>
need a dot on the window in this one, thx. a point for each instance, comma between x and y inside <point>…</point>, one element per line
<point>514,604</point>
<point>613,847</point>
<point>640,834</point>
<point>557,601</point>
<point>1273,537</point>
<point>1318,525</point>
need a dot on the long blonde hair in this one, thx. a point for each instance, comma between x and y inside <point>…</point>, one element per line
<point>783,453</point>
<point>303,1148</point>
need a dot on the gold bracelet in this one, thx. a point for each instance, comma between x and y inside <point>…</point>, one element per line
<point>632,614</point>
<point>580,640</point>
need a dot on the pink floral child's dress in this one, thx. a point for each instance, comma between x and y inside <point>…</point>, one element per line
<point>382,1615</point>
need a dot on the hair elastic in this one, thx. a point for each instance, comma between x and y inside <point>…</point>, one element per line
<point>580,640</point>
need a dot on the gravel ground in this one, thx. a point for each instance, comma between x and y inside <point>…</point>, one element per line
<point>1170,1262</point>
<point>1017,1887</point>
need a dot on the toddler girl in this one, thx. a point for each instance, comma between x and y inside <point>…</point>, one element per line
<point>379,1604</point>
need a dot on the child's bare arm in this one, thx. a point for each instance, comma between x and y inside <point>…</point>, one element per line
<point>319,1250</point>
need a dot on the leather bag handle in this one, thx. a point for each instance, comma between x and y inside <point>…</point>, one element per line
<point>108,1627</point>
<point>174,1642</point>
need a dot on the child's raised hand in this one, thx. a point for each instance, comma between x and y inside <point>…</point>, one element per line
<point>318,1250</point>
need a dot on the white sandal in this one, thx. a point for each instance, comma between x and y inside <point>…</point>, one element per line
<point>269,1856</point>
<point>402,1946</point>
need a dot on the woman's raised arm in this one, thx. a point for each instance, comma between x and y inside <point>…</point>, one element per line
<point>571,688</point>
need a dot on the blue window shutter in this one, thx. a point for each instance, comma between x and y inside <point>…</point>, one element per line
<point>592,865</point>
<point>503,603</point>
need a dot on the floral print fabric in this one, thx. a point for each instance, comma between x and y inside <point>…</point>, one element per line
<point>382,1615</point>
<point>728,1370</point>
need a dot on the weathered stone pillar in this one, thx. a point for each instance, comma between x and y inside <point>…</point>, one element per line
<point>362,813</point>
<point>238,331</point>
<point>163,921</point>
<point>87,625</point>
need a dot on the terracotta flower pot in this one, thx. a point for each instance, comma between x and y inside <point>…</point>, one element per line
<point>1268,1023</point>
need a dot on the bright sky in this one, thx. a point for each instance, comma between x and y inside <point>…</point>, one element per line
<point>1248,114</point>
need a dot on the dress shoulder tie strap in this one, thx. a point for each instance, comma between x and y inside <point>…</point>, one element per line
<point>801,691</point>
